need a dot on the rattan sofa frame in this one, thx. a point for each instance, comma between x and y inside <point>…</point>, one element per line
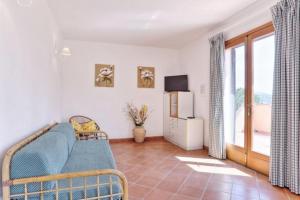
<point>7,182</point>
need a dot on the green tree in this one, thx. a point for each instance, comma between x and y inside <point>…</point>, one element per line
<point>239,98</point>
<point>257,99</point>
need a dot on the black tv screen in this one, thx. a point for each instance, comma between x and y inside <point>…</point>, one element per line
<point>176,83</point>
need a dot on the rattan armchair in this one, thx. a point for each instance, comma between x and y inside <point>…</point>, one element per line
<point>85,135</point>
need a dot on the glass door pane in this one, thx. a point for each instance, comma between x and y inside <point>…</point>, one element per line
<point>263,66</point>
<point>174,104</point>
<point>235,95</point>
<point>249,65</point>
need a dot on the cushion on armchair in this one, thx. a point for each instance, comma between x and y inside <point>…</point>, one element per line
<point>90,126</point>
<point>77,126</point>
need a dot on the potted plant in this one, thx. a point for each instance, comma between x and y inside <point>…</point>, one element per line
<point>138,117</point>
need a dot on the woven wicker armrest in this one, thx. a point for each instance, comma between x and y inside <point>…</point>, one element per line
<point>84,135</point>
<point>70,177</point>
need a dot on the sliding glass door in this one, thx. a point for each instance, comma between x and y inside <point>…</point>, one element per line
<point>248,97</point>
<point>235,90</point>
<point>237,59</point>
<point>263,66</point>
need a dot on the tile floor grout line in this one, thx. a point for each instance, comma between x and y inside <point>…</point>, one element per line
<point>162,179</point>
<point>257,186</point>
<point>231,191</point>
<point>181,185</point>
<point>152,168</point>
<point>205,187</point>
<point>168,152</point>
<point>155,187</point>
<point>151,189</point>
<point>167,174</point>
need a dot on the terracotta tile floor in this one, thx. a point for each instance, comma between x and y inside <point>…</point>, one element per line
<point>158,170</point>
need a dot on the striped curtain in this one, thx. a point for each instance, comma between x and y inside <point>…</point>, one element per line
<point>285,138</point>
<point>216,121</point>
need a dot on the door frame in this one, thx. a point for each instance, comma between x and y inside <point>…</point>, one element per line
<point>245,155</point>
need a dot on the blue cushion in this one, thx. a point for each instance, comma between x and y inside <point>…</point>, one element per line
<point>89,155</point>
<point>67,130</point>
<point>44,156</point>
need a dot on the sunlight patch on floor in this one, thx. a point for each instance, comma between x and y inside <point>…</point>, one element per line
<point>218,170</point>
<point>200,160</point>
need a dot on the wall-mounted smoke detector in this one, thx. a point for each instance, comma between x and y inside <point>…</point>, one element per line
<point>24,3</point>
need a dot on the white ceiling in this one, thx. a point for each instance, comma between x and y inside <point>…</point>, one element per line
<point>160,23</point>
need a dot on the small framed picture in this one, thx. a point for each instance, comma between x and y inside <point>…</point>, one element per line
<point>104,75</point>
<point>145,77</point>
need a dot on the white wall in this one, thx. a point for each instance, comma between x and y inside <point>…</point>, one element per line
<point>194,57</point>
<point>194,60</point>
<point>107,105</point>
<point>29,71</point>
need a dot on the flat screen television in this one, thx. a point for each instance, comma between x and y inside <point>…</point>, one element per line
<point>176,83</point>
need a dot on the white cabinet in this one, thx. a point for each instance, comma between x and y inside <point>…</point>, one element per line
<point>166,119</point>
<point>194,134</point>
<point>185,105</point>
<point>184,132</point>
<point>181,104</point>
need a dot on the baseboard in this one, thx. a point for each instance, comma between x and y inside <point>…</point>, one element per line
<point>153,138</point>
<point>205,148</point>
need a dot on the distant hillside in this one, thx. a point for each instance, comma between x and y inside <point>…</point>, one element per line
<point>260,98</point>
<point>263,98</point>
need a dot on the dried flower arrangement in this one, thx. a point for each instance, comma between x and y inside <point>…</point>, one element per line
<point>138,116</point>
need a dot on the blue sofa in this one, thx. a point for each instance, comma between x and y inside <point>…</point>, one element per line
<point>58,152</point>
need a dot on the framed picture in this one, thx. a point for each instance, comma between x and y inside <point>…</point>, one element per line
<point>145,77</point>
<point>104,75</point>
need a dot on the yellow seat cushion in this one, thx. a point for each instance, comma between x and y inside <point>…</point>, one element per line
<point>77,126</point>
<point>89,126</point>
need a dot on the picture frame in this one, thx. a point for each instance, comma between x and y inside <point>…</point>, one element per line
<point>104,75</point>
<point>145,77</point>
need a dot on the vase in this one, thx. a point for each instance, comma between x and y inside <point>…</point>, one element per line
<point>139,133</point>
